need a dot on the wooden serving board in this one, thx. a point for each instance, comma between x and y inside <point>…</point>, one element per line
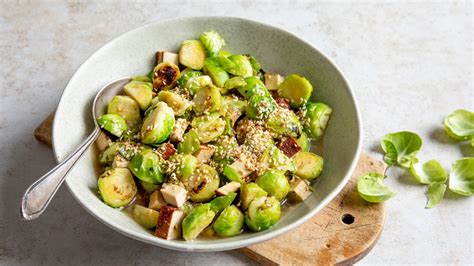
<point>343,232</point>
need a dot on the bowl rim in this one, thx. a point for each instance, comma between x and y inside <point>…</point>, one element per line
<point>211,246</point>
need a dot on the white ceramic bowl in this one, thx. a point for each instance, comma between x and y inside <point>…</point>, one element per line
<point>277,50</point>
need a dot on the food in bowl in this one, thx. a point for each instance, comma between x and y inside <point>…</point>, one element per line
<point>209,144</point>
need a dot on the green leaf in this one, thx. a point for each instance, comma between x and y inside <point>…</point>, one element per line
<point>428,173</point>
<point>435,194</point>
<point>461,177</point>
<point>372,189</point>
<point>460,125</point>
<point>401,148</point>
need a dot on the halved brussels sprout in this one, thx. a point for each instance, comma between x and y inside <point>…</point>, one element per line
<point>107,156</point>
<point>232,108</point>
<point>196,221</point>
<point>192,54</point>
<point>126,107</point>
<point>295,88</point>
<point>224,62</point>
<point>229,222</point>
<point>225,53</point>
<point>213,42</point>
<point>253,85</point>
<point>222,202</point>
<point>284,122</point>
<point>113,123</point>
<point>241,67</point>
<point>148,187</point>
<point>308,165</point>
<point>263,213</point>
<point>158,125</point>
<point>304,142</point>
<point>117,187</point>
<point>260,106</point>
<point>196,83</point>
<point>203,183</point>
<point>274,182</point>
<point>218,75</point>
<point>176,102</point>
<point>250,191</point>
<point>234,82</point>
<point>185,165</point>
<point>140,91</point>
<point>276,159</point>
<point>186,75</point>
<point>317,117</point>
<point>145,216</point>
<point>208,127</point>
<point>207,99</point>
<point>165,76</point>
<point>142,78</point>
<point>190,144</point>
<point>255,64</point>
<point>146,167</point>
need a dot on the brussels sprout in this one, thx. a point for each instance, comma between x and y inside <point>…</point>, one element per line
<point>308,165</point>
<point>218,75</point>
<point>401,148</point>
<point>192,54</point>
<point>208,127</point>
<point>233,83</point>
<point>186,75</point>
<point>207,99</point>
<point>229,222</point>
<point>117,187</point>
<point>260,106</point>
<point>284,122</point>
<point>304,142</point>
<point>126,107</point>
<point>190,144</point>
<point>185,165</point>
<point>232,108</point>
<point>148,187</point>
<point>241,67</point>
<point>253,85</point>
<point>224,144</point>
<point>165,76</point>
<point>250,191</point>
<point>295,88</point>
<point>372,189</point>
<point>142,78</point>
<point>263,213</point>
<point>158,125</point>
<point>176,102</point>
<point>145,216</point>
<point>222,202</point>
<point>113,123</point>
<point>196,83</point>
<point>274,182</point>
<point>140,91</point>
<point>213,42</point>
<point>224,53</point>
<point>196,221</point>
<point>203,183</point>
<point>316,119</point>
<point>460,125</point>
<point>107,156</point>
<point>255,65</point>
<point>146,166</point>
<point>276,159</point>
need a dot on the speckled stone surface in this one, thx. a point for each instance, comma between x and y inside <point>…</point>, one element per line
<point>410,65</point>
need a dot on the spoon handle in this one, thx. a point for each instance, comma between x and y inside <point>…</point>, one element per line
<point>39,194</point>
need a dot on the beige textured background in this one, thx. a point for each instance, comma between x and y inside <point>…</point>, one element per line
<point>410,63</point>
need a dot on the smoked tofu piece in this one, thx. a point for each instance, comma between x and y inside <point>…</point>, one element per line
<point>173,194</point>
<point>299,190</point>
<point>228,188</point>
<point>289,146</point>
<point>167,150</point>
<point>204,154</point>
<point>178,130</point>
<point>237,171</point>
<point>162,56</point>
<point>120,162</point>
<point>156,201</point>
<point>272,80</point>
<point>169,223</point>
<point>102,141</point>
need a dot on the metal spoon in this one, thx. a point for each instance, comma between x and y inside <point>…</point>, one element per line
<point>39,194</point>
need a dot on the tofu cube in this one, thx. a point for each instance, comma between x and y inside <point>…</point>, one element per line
<point>237,171</point>
<point>156,201</point>
<point>179,128</point>
<point>228,188</point>
<point>120,162</point>
<point>299,190</point>
<point>102,141</point>
<point>204,154</point>
<point>162,56</point>
<point>272,80</point>
<point>173,194</point>
<point>169,223</point>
